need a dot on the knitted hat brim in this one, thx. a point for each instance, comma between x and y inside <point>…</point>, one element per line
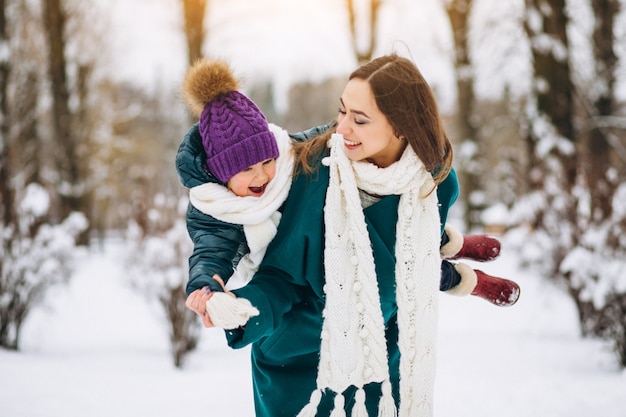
<point>243,154</point>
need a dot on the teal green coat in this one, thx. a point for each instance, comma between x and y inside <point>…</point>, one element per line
<point>288,291</point>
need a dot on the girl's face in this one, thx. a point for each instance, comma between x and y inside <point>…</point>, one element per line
<point>366,131</point>
<point>253,180</point>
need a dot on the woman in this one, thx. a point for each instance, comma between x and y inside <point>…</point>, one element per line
<point>348,300</point>
<point>290,288</point>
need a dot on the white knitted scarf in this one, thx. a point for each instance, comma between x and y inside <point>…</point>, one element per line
<point>353,343</point>
<point>258,215</point>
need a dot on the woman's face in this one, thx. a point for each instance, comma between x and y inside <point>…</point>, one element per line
<point>366,131</point>
<point>253,180</point>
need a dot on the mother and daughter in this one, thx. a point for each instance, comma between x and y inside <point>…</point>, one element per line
<point>340,236</point>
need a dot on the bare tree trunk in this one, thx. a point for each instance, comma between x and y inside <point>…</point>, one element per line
<point>366,54</point>
<point>66,154</point>
<point>194,11</point>
<point>29,156</point>
<point>598,147</point>
<point>82,133</point>
<point>184,325</point>
<point>459,12</point>
<point>554,104</point>
<point>608,320</point>
<point>6,189</point>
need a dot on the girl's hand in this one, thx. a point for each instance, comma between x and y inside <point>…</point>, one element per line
<point>196,301</point>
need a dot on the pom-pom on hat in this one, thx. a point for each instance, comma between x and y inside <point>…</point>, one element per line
<point>234,132</point>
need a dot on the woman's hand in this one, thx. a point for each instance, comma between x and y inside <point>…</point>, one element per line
<point>196,301</point>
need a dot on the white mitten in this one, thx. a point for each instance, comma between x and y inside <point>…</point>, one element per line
<point>229,312</point>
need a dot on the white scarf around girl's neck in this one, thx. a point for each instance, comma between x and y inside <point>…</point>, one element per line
<point>353,344</point>
<point>258,215</point>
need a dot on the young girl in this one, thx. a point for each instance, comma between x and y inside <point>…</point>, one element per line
<point>239,170</point>
<point>233,211</point>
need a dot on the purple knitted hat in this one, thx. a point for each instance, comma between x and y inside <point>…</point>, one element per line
<point>235,135</point>
<point>234,132</point>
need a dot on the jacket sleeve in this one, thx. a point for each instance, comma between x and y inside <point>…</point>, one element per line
<point>274,295</point>
<point>447,193</point>
<point>311,133</point>
<point>215,249</point>
<point>190,160</point>
<point>216,244</point>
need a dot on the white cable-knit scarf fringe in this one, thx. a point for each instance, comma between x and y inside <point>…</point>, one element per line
<point>353,344</point>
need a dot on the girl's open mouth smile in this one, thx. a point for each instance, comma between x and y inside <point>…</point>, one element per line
<point>258,190</point>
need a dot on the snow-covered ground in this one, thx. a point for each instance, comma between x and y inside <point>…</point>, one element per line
<point>100,349</point>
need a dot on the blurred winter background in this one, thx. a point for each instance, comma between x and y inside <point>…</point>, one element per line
<point>93,254</point>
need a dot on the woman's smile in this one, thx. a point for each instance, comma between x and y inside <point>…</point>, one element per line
<point>351,145</point>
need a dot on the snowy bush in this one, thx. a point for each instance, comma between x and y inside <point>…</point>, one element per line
<point>593,272</point>
<point>534,249</point>
<point>34,257</point>
<point>157,264</point>
<point>597,274</point>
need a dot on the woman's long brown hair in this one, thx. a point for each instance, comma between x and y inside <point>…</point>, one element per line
<point>405,98</point>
